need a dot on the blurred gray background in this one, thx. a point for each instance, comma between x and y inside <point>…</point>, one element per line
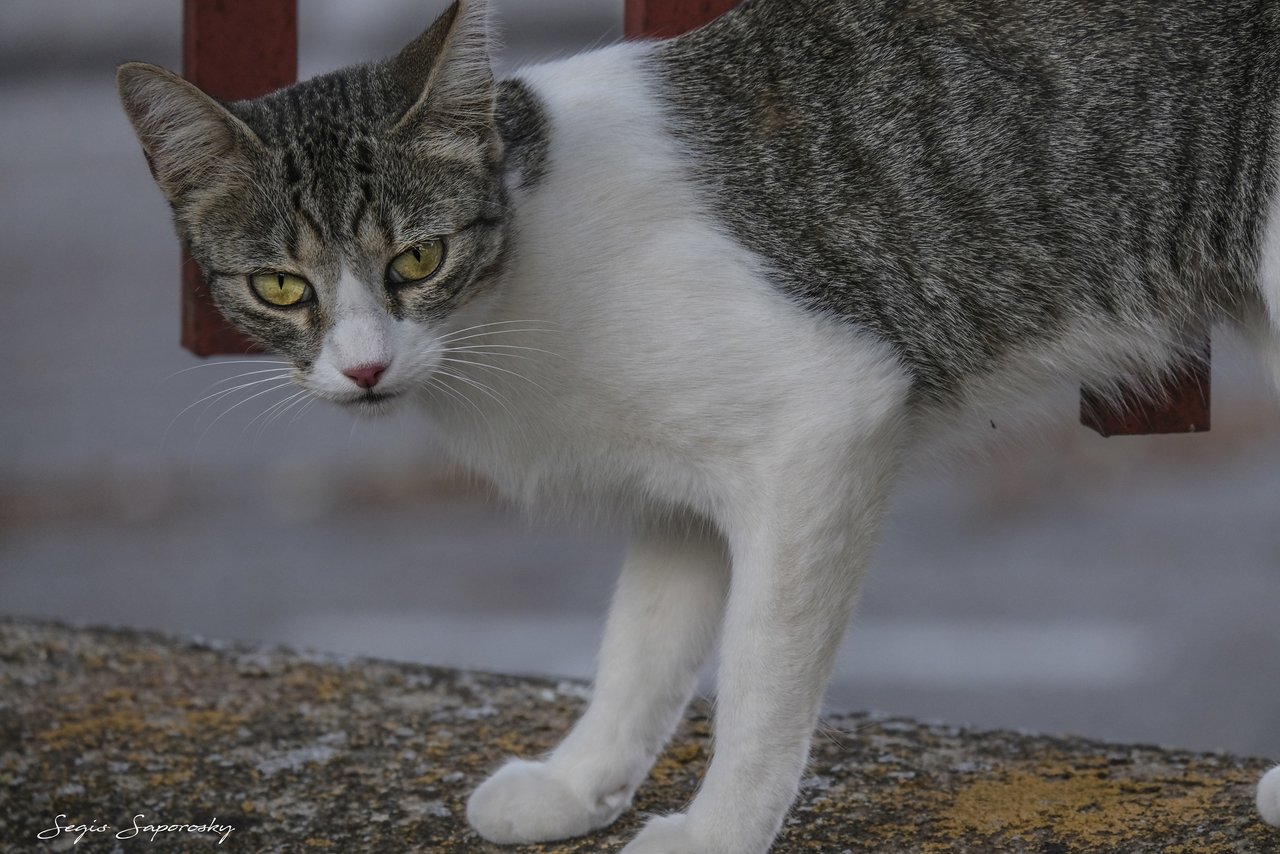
<point>1122,588</point>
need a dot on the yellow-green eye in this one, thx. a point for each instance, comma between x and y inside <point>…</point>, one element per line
<point>418,264</point>
<point>282,289</point>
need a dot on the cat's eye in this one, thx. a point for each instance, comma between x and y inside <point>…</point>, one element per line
<point>281,289</point>
<point>416,265</point>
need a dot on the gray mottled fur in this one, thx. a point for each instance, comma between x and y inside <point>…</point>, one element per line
<point>967,177</point>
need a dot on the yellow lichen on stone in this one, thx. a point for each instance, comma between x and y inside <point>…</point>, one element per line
<point>325,687</point>
<point>1075,806</point>
<point>94,726</point>
<point>190,733</point>
<point>206,720</point>
<point>170,779</point>
<point>677,761</point>
<point>514,743</point>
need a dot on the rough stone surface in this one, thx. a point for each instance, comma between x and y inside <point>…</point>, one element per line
<point>306,752</point>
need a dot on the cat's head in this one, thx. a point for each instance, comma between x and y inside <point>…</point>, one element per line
<point>344,221</point>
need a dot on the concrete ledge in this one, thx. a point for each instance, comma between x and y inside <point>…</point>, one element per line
<point>303,752</point>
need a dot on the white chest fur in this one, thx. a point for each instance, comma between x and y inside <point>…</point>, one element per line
<point>666,366</point>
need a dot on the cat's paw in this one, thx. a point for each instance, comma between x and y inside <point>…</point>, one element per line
<point>665,834</point>
<point>1269,797</point>
<point>524,802</point>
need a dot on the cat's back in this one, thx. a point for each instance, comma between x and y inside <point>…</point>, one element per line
<point>968,176</point>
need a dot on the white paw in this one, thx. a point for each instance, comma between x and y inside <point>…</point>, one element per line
<point>523,802</point>
<point>666,834</point>
<point>1269,797</point>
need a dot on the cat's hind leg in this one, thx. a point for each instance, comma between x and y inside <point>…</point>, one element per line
<point>1269,797</point>
<point>666,611</point>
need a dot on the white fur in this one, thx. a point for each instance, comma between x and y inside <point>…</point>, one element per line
<point>1269,797</point>
<point>360,335</point>
<point>363,333</point>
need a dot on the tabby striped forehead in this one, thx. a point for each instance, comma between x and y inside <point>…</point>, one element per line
<point>323,134</point>
<point>331,107</point>
<point>340,173</point>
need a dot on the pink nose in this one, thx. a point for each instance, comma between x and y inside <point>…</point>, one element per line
<point>365,376</point>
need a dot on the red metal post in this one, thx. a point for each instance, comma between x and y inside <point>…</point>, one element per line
<point>232,49</point>
<point>1180,406</point>
<point>665,18</point>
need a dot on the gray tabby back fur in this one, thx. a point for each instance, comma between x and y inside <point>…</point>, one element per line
<point>965,177</point>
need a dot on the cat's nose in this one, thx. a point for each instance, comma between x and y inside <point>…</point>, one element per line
<point>365,376</point>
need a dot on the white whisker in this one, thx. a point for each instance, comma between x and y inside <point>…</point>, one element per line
<point>212,398</point>
<point>266,417</point>
<point>433,383</point>
<point>495,368</point>
<point>298,400</point>
<point>495,323</point>
<point>236,406</point>
<point>218,395</point>
<point>479,386</point>
<point>314,400</point>
<point>280,372</point>
<point>220,364</point>
<point>493,348</point>
<point>450,342</point>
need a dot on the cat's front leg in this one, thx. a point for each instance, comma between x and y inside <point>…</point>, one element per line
<point>798,563</point>
<point>665,615</point>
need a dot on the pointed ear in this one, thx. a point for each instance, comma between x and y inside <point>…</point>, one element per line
<point>446,74</point>
<point>190,140</point>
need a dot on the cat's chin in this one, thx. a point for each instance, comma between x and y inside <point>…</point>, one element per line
<point>372,405</point>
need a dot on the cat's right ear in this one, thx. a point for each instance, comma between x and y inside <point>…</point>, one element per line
<point>446,75</point>
<point>190,140</point>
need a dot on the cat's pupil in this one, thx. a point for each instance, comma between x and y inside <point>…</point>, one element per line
<point>417,255</point>
<point>280,280</point>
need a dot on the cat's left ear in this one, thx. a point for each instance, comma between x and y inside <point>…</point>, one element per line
<point>191,141</point>
<point>447,76</point>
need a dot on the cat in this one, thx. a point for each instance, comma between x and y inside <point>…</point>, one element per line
<point>722,285</point>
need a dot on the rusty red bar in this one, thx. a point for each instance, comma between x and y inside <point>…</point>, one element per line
<point>665,18</point>
<point>1181,406</point>
<point>232,49</point>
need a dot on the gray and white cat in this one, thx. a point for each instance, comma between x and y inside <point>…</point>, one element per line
<point>722,284</point>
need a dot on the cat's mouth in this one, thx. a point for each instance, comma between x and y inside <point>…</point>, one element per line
<point>372,402</point>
